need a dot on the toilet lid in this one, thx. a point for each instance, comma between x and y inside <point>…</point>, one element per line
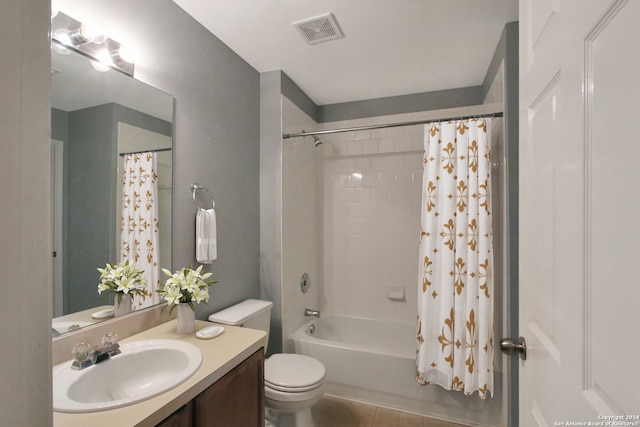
<point>293,372</point>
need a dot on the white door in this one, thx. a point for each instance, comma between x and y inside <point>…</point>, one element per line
<point>580,211</point>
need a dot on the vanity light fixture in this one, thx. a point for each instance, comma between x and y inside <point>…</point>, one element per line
<point>90,39</point>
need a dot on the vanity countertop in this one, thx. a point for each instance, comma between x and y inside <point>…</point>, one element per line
<point>220,355</point>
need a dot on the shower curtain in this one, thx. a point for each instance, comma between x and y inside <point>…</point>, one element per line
<point>455,295</point>
<point>139,222</point>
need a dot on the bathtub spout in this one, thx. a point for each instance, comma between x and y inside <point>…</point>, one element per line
<point>308,312</point>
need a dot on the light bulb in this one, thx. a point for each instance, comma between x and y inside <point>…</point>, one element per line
<point>89,32</point>
<point>103,60</point>
<point>62,36</point>
<point>129,54</point>
<point>94,32</point>
<point>99,66</point>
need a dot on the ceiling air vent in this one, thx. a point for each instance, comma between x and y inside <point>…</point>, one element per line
<point>319,29</point>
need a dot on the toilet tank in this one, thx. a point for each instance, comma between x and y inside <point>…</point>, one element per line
<point>251,313</point>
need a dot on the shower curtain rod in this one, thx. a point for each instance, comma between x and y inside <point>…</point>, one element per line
<point>392,125</point>
<point>157,150</point>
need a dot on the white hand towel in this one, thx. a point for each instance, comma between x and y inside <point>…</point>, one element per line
<point>206,242</point>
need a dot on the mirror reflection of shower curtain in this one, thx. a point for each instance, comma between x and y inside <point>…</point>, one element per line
<point>139,221</point>
<point>455,289</point>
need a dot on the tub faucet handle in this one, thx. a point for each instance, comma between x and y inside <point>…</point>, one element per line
<point>309,312</point>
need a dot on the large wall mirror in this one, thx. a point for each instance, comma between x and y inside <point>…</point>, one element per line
<point>97,118</point>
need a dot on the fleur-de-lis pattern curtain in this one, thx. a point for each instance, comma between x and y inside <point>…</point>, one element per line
<point>139,222</point>
<point>455,295</point>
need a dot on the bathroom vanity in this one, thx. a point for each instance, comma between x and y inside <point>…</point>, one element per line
<point>227,389</point>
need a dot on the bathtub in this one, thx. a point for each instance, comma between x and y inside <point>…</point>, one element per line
<point>374,361</point>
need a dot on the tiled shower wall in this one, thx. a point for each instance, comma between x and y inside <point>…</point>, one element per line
<point>351,216</point>
<point>371,220</point>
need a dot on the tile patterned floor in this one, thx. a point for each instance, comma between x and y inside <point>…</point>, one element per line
<point>336,412</point>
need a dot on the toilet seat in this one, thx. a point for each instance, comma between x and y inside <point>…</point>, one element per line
<point>293,373</point>
<point>292,397</point>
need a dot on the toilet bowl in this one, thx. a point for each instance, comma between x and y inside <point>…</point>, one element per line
<point>293,383</point>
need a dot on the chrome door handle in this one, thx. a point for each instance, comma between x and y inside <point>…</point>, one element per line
<point>510,346</point>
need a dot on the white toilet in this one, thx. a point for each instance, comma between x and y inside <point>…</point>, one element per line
<point>292,382</point>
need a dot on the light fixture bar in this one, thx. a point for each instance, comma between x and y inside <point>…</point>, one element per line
<point>91,50</point>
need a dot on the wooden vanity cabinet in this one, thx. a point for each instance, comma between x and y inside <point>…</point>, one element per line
<point>235,400</point>
<point>183,417</point>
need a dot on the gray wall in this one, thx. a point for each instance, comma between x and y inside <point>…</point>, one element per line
<point>25,217</point>
<point>142,120</point>
<point>91,155</point>
<point>425,101</point>
<point>216,132</point>
<point>59,124</point>
<point>271,200</point>
<point>507,50</point>
<point>412,103</point>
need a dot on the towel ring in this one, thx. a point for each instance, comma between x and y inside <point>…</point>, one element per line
<point>194,190</point>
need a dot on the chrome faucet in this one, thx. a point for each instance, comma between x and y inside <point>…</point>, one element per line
<point>85,355</point>
<point>309,312</point>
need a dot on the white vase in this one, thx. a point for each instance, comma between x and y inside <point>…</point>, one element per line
<point>186,319</point>
<point>124,307</point>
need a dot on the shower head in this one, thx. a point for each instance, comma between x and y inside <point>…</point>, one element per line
<point>316,141</point>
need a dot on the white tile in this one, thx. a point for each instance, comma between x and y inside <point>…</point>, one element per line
<point>417,142</point>
<point>344,195</point>
<point>395,162</point>
<point>355,244</point>
<point>328,149</point>
<point>363,134</point>
<point>370,178</point>
<point>369,146</point>
<point>346,165</point>
<point>362,195</point>
<point>354,148</point>
<point>414,130</point>
<point>379,195</point>
<point>339,148</point>
<point>379,163</point>
<point>395,131</point>
<point>404,177</point>
<point>354,211</point>
<point>341,136</point>
<point>396,195</point>
<point>355,227</point>
<point>387,178</point>
<point>339,180</point>
<point>412,161</point>
<point>377,133</point>
<point>402,143</point>
<point>363,163</point>
<point>354,179</point>
<point>386,145</point>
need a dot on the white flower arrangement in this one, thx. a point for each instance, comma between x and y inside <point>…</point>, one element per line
<point>186,286</point>
<point>122,279</point>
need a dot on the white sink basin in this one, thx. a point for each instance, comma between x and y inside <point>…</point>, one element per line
<point>143,370</point>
